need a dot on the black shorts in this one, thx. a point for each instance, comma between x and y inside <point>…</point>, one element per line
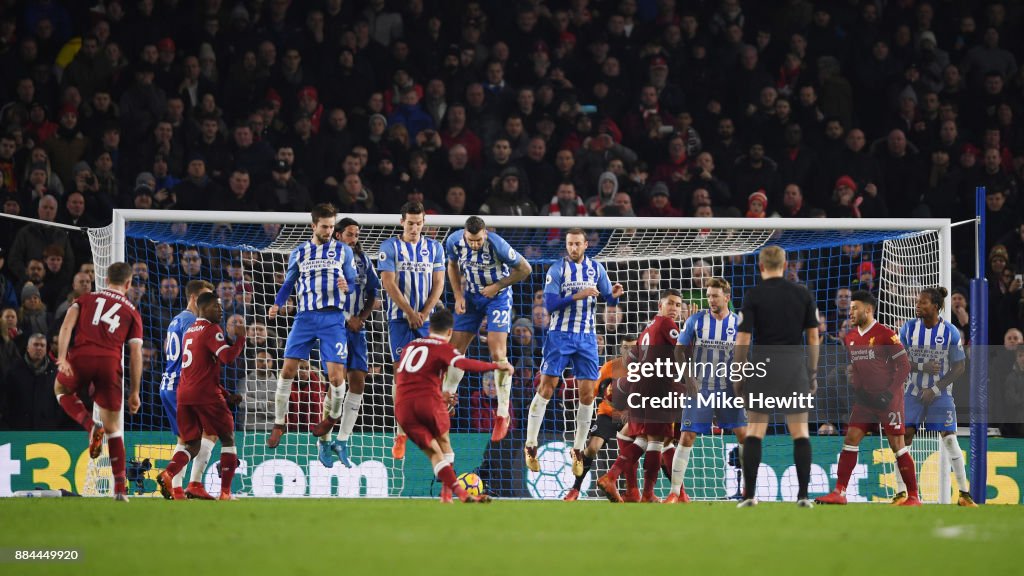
<point>605,427</point>
<point>781,381</point>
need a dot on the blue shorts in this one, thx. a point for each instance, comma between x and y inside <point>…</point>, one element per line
<point>324,326</point>
<point>169,400</point>
<point>939,416</point>
<point>561,348</point>
<point>357,359</point>
<point>497,310</point>
<point>400,334</point>
<point>698,418</point>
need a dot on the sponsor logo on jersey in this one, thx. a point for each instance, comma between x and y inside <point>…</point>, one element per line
<point>730,331</point>
<point>424,252</point>
<point>939,339</point>
<point>219,336</point>
<point>382,256</point>
<point>547,280</point>
<point>486,256</point>
<point>511,253</point>
<point>332,254</point>
<point>674,333</point>
<point>591,274</point>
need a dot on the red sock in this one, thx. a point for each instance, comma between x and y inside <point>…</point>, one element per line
<point>666,461</point>
<point>627,457</point>
<point>228,463</point>
<point>447,477</point>
<point>652,465</point>
<point>631,479</point>
<point>74,408</point>
<point>905,462</point>
<point>115,445</point>
<point>847,462</point>
<point>622,443</point>
<point>178,461</point>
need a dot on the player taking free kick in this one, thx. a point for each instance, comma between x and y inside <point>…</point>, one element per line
<point>878,369</point>
<point>202,401</point>
<point>419,406</point>
<point>102,322</point>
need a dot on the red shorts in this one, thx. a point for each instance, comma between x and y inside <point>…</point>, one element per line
<point>891,418</point>
<point>102,373</point>
<point>658,429</point>
<point>423,419</point>
<point>194,420</point>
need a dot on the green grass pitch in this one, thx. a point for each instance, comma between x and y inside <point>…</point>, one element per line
<point>399,537</point>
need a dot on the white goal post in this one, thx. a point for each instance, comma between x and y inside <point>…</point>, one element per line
<point>894,257</point>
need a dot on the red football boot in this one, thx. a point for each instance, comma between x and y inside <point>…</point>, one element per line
<point>196,491</point>
<point>398,448</point>
<point>275,436</point>
<point>177,493</point>
<point>226,496</point>
<point>96,440</point>
<point>163,480</point>
<point>674,498</point>
<point>500,429</point>
<point>607,485</point>
<point>650,498</point>
<point>912,500</point>
<point>833,497</point>
<point>632,495</point>
<point>322,427</point>
<point>572,495</point>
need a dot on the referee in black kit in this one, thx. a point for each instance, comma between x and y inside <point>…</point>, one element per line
<point>778,315</point>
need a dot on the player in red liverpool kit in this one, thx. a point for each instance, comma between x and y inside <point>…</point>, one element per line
<point>102,322</point>
<point>420,407</point>
<point>656,342</point>
<point>202,401</point>
<point>878,369</point>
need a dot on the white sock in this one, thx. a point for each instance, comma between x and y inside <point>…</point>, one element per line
<point>503,384</point>
<point>451,380</point>
<point>449,457</point>
<point>282,397</point>
<point>201,460</point>
<point>956,460</point>
<point>336,401</point>
<point>349,415</point>
<point>655,447</point>
<point>537,409</point>
<point>679,462</point>
<point>176,480</point>
<point>584,415</point>
<point>641,443</point>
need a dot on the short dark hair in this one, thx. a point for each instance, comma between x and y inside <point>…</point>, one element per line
<point>325,210</point>
<point>864,297</point>
<point>474,224</point>
<point>579,231</point>
<point>205,299</point>
<point>937,294</point>
<point>669,292</point>
<point>118,273</point>
<point>412,208</point>
<point>194,287</point>
<point>441,320</point>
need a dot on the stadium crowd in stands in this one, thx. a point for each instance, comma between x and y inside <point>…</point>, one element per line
<point>660,108</point>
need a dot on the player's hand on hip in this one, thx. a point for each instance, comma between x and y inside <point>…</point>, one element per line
<point>355,323</point>
<point>588,292</point>
<point>272,312</point>
<point>342,285</point>
<point>928,396</point>
<point>618,290</point>
<point>490,291</point>
<point>134,403</point>
<point>460,305</point>
<point>64,367</point>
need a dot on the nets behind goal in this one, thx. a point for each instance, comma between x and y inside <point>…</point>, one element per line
<point>244,256</point>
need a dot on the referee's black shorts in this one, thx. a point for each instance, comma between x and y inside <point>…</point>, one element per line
<point>605,427</point>
<point>785,375</point>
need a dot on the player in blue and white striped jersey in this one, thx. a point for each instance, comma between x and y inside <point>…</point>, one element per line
<point>411,270</point>
<point>482,268</point>
<point>707,342</point>
<point>937,359</point>
<point>173,344</point>
<point>571,289</point>
<point>321,270</point>
<point>362,299</point>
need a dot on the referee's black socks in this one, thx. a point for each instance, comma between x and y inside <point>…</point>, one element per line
<point>751,462</point>
<point>802,459</point>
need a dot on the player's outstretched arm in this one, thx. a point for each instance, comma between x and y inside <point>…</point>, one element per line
<point>471,365</point>
<point>134,374</point>
<point>64,339</point>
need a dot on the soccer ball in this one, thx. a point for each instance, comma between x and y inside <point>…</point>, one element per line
<point>471,483</point>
